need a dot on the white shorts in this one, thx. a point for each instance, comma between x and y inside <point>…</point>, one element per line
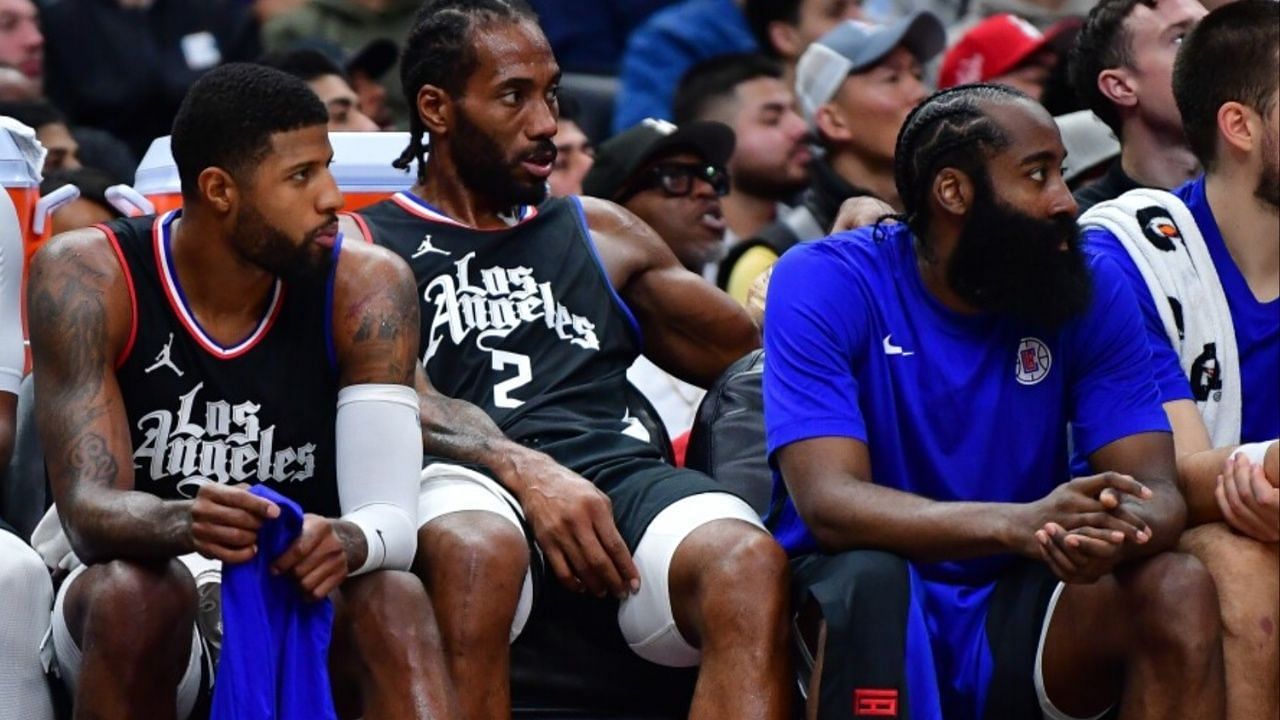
<point>68,656</point>
<point>646,619</point>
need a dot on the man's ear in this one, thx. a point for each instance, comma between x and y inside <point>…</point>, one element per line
<point>832,124</point>
<point>785,39</point>
<point>1239,127</point>
<point>435,108</point>
<point>953,191</point>
<point>1119,86</point>
<point>218,190</point>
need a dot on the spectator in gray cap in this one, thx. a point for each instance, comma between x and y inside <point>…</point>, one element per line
<point>671,178</point>
<point>855,86</point>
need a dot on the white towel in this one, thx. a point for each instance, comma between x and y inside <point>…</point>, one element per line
<point>1162,238</point>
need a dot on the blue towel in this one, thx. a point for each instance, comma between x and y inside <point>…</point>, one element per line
<point>275,646</point>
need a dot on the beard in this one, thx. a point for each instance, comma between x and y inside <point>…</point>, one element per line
<point>1010,263</point>
<point>270,248</point>
<point>485,170</point>
<point>1268,189</point>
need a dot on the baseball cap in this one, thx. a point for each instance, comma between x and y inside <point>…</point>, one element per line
<point>993,47</point>
<point>854,46</point>
<point>374,59</point>
<point>619,157</point>
<point>1089,142</point>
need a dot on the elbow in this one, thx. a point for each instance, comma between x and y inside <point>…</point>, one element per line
<point>830,532</point>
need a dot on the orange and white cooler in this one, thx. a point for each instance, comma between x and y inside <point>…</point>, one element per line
<point>361,166</point>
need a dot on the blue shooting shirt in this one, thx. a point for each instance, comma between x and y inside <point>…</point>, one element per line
<point>275,643</point>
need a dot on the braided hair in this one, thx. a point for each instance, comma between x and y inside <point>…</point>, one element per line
<point>440,51</point>
<point>948,129</point>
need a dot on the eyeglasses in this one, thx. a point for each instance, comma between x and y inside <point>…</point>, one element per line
<point>676,179</point>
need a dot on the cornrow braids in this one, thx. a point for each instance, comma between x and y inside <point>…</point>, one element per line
<point>948,129</point>
<point>440,51</point>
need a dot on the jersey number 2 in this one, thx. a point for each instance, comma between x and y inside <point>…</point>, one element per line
<point>524,373</point>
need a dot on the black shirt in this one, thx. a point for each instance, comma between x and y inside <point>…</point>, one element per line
<point>262,410</point>
<point>521,321</point>
<point>1109,187</point>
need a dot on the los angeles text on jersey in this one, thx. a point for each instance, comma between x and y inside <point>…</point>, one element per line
<point>230,446</point>
<point>495,302</point>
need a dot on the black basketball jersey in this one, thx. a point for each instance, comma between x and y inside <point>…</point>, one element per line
<point>262,410</point>
<point>521,321</point>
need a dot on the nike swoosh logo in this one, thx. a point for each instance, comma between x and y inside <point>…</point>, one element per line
<point>891,349</point>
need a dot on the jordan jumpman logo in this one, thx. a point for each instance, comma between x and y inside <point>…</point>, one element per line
<point>163,359</point>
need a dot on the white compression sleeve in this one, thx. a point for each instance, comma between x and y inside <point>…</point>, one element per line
<point>12,353</point>
<point>379,458</point>
<point>1256,452</point>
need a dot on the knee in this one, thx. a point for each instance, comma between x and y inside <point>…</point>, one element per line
<point>385,609</point>
<point>747,563</point>
<point>1248,585</point>
<point>468,547</point>
<point>1175,605</point>
<point>139,606</point>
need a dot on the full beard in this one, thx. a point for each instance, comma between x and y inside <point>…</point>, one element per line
<point>1010,263</point>
<point>268,247</point>
<point>485,171</point>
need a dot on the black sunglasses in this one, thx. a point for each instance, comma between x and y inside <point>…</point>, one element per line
<point>676,179</point>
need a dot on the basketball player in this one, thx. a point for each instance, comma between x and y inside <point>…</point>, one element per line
<point>238,340</point>
<point>534,309</point>
<point>919,379</point>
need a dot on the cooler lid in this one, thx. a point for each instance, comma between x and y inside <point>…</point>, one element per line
<point>361,162</point>
<point>15,171</point>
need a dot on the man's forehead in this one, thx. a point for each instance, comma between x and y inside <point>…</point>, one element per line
<point>507,51</point>
<point>18,7</point>
<point>1163,14</point>
<point>1027,125</point>
<point>763,90</point>
<point>290,146</point>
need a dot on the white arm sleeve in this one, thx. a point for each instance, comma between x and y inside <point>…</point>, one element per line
<point>379,460</point>
<point>12,353</point>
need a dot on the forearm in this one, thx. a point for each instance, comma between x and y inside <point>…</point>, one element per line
<point>109,524</point>
<point>458,430</point>
<point>860,515</point>
<point>1198,474</point>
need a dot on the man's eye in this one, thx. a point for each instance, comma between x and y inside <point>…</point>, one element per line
<point>1038,174</point>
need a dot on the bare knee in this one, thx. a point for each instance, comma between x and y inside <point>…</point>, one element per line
<point>1248,583</point>
<point>1174,604</point>
<point>745,566</point>
<point>386,611</point>
<point>132,610</point>
<point>463,550</point>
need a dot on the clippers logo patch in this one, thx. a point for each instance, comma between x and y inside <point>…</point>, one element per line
<point>1033,361</point>
<point>1159,228</point>
<point>868,702</point>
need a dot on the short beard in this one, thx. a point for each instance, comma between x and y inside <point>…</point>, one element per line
<point>1268,189</point>
<point>1010,263</point>
<point>485,171</point>
<point>269,248</point>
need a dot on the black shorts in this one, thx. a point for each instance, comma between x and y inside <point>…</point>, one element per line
<point>865,598</point>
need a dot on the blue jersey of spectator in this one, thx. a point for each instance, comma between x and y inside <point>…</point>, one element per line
<point>588,36</point>
<point>660,51</point>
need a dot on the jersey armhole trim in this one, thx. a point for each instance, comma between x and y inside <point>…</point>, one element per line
<point>330,351</point>
<point>604,274</point>
<point>364,229</point>
<point>133,296</point>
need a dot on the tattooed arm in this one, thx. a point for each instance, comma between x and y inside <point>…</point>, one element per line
<point>79,318</point>
<point>379,454</point>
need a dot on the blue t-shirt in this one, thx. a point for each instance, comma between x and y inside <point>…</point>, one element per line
<point>1257,324</point>
<point>952,407</point>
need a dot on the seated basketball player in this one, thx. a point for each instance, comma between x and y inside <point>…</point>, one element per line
<point>918,382</point>
<point>237,341</point>
<point>534,308</point>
